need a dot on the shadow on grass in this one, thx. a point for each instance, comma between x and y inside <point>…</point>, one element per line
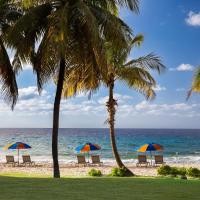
<point>97,188</point>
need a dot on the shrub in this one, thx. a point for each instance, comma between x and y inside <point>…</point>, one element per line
<point>182,171</point>
<point>164,170</point>
<point>193,172</point>
<point>94,172</point>
<point>119,172</point>
<point>174,171</point>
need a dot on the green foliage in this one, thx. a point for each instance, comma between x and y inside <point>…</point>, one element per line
<point>174,171</point>
<point>195,83</point>
<point>94,172</point>
<point>164,170</point>
<point>193,172</point>
<point>118,172</point>
<point>182,171</point>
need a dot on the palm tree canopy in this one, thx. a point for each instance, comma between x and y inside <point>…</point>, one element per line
<point>135,73</point>
<point>9,90</point>
<point>133,5</point>
<point>195,83</point>
<point>74,30</point>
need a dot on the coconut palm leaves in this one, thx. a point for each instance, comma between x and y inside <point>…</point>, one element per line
<point>69,30</point>
<point>9,90</point>
<point>195,83</point>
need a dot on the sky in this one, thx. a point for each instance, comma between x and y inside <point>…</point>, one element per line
<point>171,30</point>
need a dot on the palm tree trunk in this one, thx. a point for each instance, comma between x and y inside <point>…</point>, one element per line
<point>56,170</point>
<point>111,111</point>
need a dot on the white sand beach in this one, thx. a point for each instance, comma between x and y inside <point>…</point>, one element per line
<point>72,170</point>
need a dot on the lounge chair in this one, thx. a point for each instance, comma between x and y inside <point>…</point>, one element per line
<point>96,160</point>
<point>159,160</point>
<point>142,160</point>
<point>27,160</point>
<point>10,160</point>
<point>81,160</point>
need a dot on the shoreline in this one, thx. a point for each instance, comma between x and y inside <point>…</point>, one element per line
<point>80,171</point>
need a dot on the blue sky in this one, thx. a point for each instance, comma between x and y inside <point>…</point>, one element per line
<point>171,30</point>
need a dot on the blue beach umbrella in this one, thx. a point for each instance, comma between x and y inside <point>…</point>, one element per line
<point>18,146</point>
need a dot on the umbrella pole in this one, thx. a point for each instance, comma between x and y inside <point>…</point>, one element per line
<point>18,156</point>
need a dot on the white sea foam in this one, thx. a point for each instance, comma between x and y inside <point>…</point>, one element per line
<point>72,159</point>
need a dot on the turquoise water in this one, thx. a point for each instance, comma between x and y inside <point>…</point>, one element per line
<point>179,145</point>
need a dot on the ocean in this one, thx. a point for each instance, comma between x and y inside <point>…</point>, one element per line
<point>180,146</point>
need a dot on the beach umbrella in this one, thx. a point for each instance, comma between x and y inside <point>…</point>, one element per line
<point>18,146</point>
<point>149,147</point>
<point>86,148</point>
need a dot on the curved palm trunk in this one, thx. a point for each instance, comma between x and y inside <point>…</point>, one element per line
<point>56,111</point>
<point>111,111</point>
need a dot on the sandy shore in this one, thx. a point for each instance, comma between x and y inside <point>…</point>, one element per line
<point>72,170</point>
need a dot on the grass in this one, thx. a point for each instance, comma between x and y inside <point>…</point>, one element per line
<point>19,187</point>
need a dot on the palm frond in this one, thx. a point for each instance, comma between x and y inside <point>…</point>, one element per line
<point>147,62</point>
<point>8,82</point>
<point>138,79</point>
<point>137,40</point>
<point>195,83</point>
<point>131,4</point>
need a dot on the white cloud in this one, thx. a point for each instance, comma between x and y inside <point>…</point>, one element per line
<point>183,67</point>
<point>29,93</point>
<point>27,67</point>
<point>159,88</point>
<point>179,109</point>
<point>94,111</point>
<point>193,19</point>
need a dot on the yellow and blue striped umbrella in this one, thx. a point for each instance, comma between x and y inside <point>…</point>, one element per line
<point>150,147</point>
<point>18,146</point>
<point>88,147</point>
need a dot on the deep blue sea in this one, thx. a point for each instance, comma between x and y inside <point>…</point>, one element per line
<point>179,145</point>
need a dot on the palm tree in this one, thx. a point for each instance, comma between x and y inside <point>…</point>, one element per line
<point>9,89</point>
<point>56,35</point>
<point>195,83</point>
<point>134,73</point>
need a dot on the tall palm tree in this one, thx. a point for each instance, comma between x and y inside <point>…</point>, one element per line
<point>56,35</point>
<point>9,90</point>
<point>195,83</point>
<point>135,73</point>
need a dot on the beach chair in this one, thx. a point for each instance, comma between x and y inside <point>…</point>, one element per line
<point>142,160</point>
<point>96,160</point>
<point>10,160</point>
<point>27,160</point>
<point>81,160</point>
<point>159,160</point>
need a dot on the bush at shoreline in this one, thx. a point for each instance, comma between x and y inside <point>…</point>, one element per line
<point>166,170</point>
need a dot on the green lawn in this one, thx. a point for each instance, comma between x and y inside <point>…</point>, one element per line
<point>98,188</point>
